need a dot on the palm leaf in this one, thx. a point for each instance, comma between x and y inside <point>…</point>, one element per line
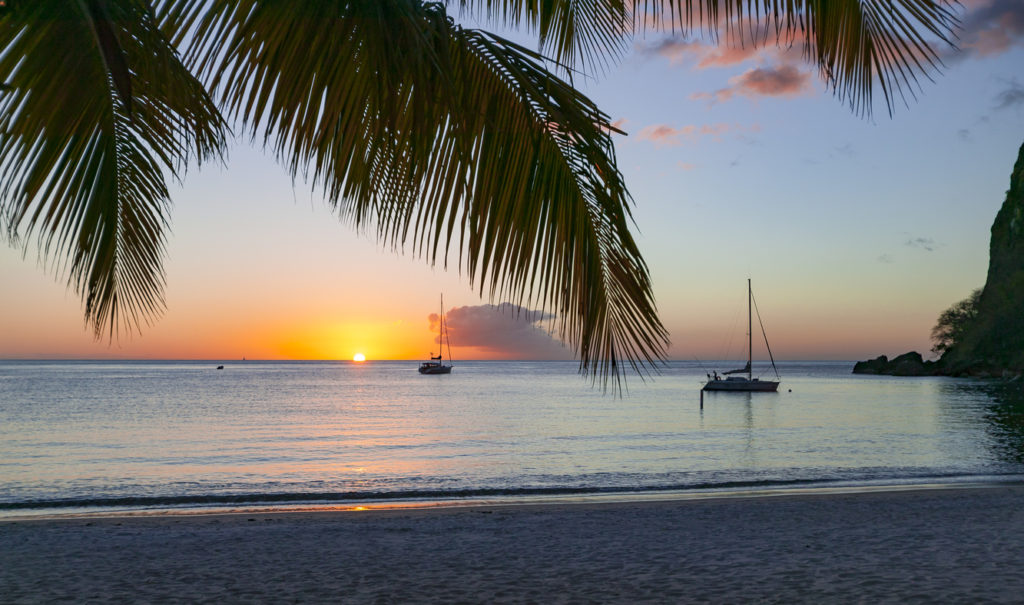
<point>574,32</point>
<point>444,138</point>
<point>82,164</point>
<point>855,44</point>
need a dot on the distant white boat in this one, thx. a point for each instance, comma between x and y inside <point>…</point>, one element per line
<point>436,365</point>
<point>727,381</point>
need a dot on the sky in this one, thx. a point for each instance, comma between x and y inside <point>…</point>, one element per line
<point>857,232</point>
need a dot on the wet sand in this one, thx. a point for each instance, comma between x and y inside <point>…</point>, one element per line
<point>924,545</point>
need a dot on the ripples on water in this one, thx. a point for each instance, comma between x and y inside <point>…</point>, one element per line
<point>183,433</point>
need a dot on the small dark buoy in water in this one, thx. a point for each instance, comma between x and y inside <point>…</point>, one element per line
<point>220,367</point>
<point>790,390</point>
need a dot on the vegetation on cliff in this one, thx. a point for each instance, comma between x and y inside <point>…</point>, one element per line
<point>954,322</point>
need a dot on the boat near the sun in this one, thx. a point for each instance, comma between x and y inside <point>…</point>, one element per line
<point>733,380</point>
<point>436,365</point>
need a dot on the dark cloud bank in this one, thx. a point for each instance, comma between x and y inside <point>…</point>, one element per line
<point>504,330</point>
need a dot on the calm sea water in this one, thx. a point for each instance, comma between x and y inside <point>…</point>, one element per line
<point>102,435</point>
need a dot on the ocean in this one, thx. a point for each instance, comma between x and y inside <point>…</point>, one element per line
<point>101,436</point>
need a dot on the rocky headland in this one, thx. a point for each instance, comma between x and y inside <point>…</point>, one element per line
<point>991,343</point>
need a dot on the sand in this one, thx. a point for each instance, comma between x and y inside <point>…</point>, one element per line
<point>923,545</point>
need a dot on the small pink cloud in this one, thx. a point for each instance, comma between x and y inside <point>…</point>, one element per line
<point>704,55</point>
<point>665,135</point>
<point>737,42</point>
<point>782,81</point>
<point>715,130</point>
<point>990,42</point>
<point>725,56</point>
<point>993,27</point>
<point>679,51</point>
<point>686,166</point>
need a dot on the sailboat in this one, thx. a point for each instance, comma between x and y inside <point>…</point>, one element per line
<point>729,381</point>
<point>436,365</point>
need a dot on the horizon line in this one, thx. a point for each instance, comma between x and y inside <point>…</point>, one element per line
<point>344,360</point>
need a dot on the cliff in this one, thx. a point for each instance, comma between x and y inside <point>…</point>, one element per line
<point>993,342</point>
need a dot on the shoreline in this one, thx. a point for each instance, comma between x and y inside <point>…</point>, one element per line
<point>561,499</point>
<point>949,544</point>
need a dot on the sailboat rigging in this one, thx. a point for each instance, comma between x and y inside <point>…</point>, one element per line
<point>727,381</point>
<point>436,365</point>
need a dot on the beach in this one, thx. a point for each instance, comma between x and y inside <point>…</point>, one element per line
<point>948,544</point>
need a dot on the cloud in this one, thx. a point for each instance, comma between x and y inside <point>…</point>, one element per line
<point>782,81</point>
<point>732,42</point>
<point>505,330</point>
<point>725,56</point>
<point>992,27</point>
<point>675,50</point>
<point>704,55</point>
<point>686,166</point>
<point>1011,96</point>
<point>668,135</point>
<point>964,134</point>
<point>785,81</point>
<point>924,243</point>
<point>885,258</point>
<point>778,62</point>
<point>989,28</point>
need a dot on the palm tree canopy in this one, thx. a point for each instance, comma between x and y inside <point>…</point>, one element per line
<point>85,145</point>
<point>453,143</point>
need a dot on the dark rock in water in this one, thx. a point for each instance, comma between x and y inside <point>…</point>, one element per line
<point>877,365</point>
<point>908,364</point>
<point>912,364</point>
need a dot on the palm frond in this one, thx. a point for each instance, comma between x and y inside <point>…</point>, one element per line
<point>82,166</point>
<point>855,44</point>
<point>586,33</point>
<point>565,232</point>
<point>445,138</point>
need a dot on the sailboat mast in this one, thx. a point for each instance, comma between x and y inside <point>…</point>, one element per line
<point>750,334</point>
<point>447,338</point>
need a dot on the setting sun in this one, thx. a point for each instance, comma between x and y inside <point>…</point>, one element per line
<point>359,357</point>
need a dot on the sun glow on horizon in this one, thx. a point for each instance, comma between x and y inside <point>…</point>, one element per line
<point>359,357</point>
